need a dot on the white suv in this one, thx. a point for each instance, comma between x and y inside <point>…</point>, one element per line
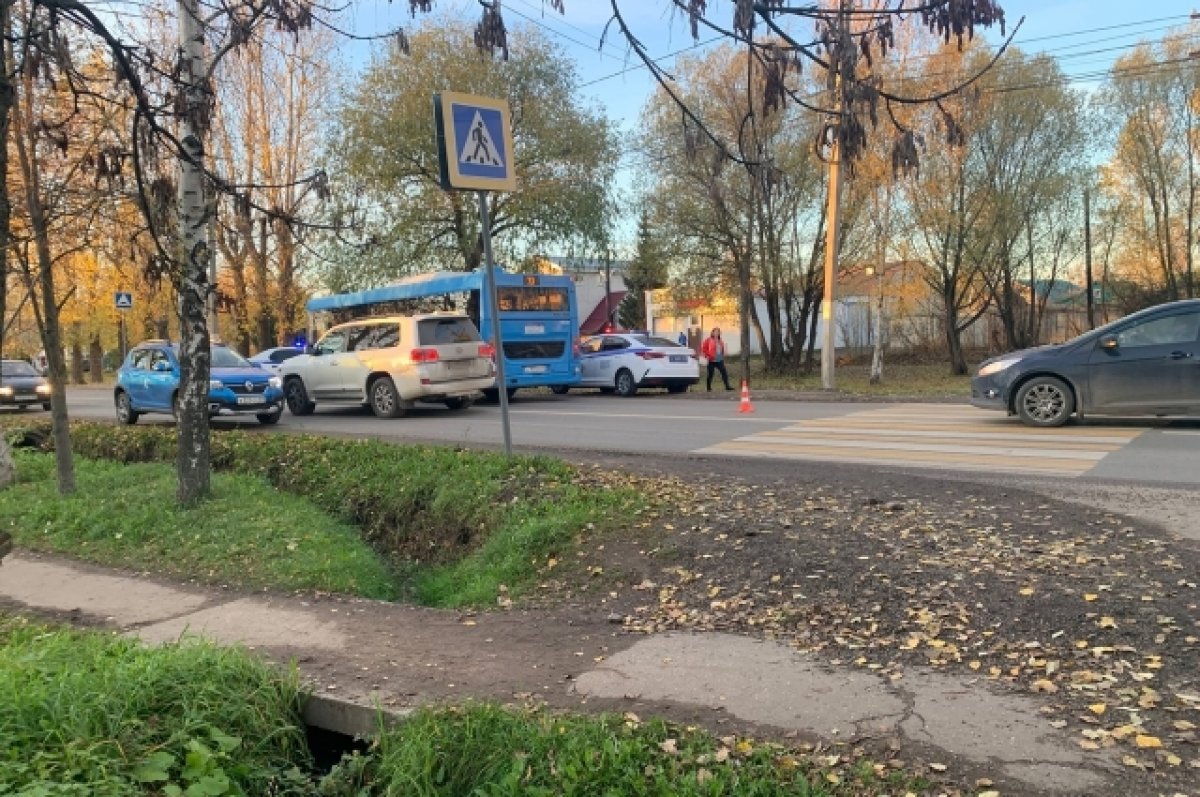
<point>389,363</point>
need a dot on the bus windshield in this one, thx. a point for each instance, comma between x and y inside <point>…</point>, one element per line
<point>529,300</point>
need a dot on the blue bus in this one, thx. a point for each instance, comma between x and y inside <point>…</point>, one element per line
<point>539,319</point>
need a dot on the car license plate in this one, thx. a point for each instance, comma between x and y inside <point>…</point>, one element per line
<point>679,358</point>
<point>536,369</point>
<point>27,397</point>
<point>250,399</point>
<point>535,329</point>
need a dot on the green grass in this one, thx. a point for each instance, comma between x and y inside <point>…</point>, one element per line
<point>488,750</point>
<point>899,380</point>
<point>453,525</point>
<point>94,715</point>
<point>515,551</point>
<point>248,534</point>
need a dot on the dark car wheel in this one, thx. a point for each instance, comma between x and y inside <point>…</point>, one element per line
<point>270,418</point>
<point>458,403</point>
<point>125,411</point>
<point>296,397</point>
<point>560,390</point>
<point>385,400</point>
<point>625,385</point>
<point>1045,401</point>
<point>46,406</point>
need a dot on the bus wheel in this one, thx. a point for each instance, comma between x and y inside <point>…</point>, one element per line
<point>560,390</point>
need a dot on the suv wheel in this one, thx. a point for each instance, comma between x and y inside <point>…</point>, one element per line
<point>125,411</point>
<point>296,397</point>
<point>1045,401</point>
<point>385,399</point>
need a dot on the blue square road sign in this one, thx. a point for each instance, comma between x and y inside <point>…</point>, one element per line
<point>475,142</point>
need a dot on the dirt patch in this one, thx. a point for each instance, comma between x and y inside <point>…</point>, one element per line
<point>1092,613</point>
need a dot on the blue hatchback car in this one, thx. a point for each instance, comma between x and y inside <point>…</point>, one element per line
<point>148,381</point>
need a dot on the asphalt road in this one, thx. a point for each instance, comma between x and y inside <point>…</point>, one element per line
<point>934,439</point>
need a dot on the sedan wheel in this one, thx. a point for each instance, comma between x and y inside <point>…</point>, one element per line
<point>625,384</point>
<point>1045,401</point>
<point>385,401</point>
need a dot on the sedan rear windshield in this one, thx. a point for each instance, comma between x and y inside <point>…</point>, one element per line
<point>441,331</point>
<point>17,368</point>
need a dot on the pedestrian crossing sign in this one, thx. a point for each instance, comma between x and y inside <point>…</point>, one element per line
<point>475,143</point>
<point>123,300</point>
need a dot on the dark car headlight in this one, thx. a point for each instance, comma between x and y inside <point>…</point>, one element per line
<point>996,366</point>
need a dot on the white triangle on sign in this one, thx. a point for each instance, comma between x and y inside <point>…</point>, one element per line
<point>479,149</point>
<point>124,300</point>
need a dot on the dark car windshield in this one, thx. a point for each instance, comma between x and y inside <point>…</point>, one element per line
<point>17,368</point>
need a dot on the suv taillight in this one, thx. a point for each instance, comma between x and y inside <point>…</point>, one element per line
<point>487,350</point>
<point>424,355</point>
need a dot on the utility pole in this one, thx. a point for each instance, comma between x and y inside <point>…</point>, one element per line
<point>1087,258</point>
<point>832,236</point>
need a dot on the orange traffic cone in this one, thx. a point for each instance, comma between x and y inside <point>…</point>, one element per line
<point>745,405</point>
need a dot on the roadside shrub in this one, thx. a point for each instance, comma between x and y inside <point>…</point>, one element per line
<point>97,715</point>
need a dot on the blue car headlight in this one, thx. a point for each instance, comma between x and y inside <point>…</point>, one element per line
<point>997,366</point>
<point>215,384</point>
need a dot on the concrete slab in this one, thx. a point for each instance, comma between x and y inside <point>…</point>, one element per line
<point>121,600</point>
<point>770,683</point>
<point>251,622</point>
<point>757,681</point>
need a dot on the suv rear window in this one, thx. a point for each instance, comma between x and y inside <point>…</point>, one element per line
<point>441,331</point>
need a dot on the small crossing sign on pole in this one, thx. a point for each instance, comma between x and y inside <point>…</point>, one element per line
<point>475,142</point>
<point>123,300</point>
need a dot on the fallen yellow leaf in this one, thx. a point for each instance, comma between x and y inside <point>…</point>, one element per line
<point>1091,596</point>
<point>1027,591</point>
<point>1147,741</point>
<point>1044,685</point>
<point>1107,622</point>
<point>1098,708</point>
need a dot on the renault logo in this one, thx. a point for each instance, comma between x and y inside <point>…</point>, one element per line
<point>249,387</point>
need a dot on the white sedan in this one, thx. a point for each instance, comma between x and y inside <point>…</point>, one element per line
<point>271,359</point>
<point>624,362</point>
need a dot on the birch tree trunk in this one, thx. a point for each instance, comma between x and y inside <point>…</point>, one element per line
<point>193,460</point>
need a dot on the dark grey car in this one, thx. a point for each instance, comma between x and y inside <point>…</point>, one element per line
<point>1147,363</point>
<point>22,385</point>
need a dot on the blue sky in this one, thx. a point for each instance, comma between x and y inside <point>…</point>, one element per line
<point>1085,35</point>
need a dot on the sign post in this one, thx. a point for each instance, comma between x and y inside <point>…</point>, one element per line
<point>123,301</point>
<point>475,153</point>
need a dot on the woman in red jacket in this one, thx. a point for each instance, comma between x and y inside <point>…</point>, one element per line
<point>713,350</point>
